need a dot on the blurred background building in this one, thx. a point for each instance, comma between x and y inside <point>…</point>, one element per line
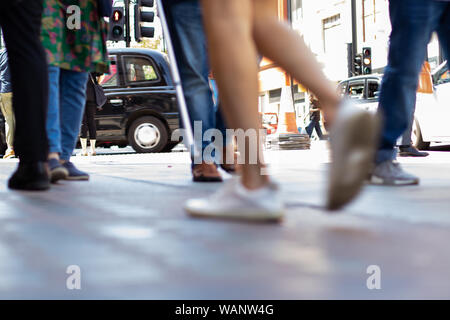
<point>326,26</point>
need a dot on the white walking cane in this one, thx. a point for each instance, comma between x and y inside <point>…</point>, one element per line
<point>188,137</point>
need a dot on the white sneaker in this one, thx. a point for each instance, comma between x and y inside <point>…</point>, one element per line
<point>234,201</point>
<point>354,137</point>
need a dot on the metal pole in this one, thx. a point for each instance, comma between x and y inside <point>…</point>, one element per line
<point>354,31</point>
<point>291,79</point>
<point>127,23</point>
<point>350,61</point>
<point>189,136</point>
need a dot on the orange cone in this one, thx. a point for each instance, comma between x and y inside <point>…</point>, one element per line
<point>425,80</point>
<point>286,119</point>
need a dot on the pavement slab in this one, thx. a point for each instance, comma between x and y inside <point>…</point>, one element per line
<point>128,233</point>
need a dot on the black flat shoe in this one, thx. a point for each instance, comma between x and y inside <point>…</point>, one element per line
<point>411,152</point>
<point>30,176</point>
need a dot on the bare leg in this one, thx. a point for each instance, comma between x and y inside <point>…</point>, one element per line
<point>276,41</point>
<point>233,58</point>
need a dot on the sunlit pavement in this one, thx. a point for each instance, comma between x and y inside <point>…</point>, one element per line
<point>129,235</point>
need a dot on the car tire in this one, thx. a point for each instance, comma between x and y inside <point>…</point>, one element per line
<point>148,134</point>
<point>417,137</point>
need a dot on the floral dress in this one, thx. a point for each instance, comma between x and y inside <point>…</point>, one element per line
<point>80,49</point>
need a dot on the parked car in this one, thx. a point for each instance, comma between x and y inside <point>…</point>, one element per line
<point>142,109</point>
<point>270,122</point>
<point>432,117</point>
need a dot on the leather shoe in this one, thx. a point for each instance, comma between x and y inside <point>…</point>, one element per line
<point>411,152</point>
<point>30,176</point>
<point>206,172</point>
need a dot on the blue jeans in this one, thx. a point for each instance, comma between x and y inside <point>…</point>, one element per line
<point>67,97</point>
<point>314,124</point>
<point>189,40</point>
<point>413,22</point>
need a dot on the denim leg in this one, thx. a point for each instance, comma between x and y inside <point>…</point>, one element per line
<point>310,128</point>
<point>412,25</point>
<point>188,35</point>
<point>443,29</point>
<point>221,124</point>
<point>220,118</point>
<point>53,125</point>
<point>319,130</point>
<point>406,137</point>
<point>72,102</point>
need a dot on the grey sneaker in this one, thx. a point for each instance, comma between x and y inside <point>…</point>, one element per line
<point>353,144</point>
<point>390,173</point>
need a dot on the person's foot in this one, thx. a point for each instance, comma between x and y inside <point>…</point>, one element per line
<point>83,153</point>
<point>74,173</point>
<point>32,176</point>
<point>353,143</point>
<point>206,172</point>
<point>57,171</point>
<point>236,202</point>
<point>390,173</point>
<point>92,153</point>
<point>412,151</point>
<point>9,153</point>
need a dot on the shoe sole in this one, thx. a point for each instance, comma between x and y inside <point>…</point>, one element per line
<point>407,154</point>
<point>353,150</point>
<point>207,179</point>
<point>79,178</point>
<point>58,174</point>
<point>383,182</point>
<point>34,186</point>
<point>230,170</point>
<point>254,216</point>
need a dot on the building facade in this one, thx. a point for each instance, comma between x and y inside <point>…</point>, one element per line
<point>326,27</point>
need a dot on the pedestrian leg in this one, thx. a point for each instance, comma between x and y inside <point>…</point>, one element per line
<point>20,23</point>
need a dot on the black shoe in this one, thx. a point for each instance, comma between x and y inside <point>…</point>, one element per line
<point>411,152</point>
<point>30,176</point>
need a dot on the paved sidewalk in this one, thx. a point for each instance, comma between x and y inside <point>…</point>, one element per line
<point>128,233</point>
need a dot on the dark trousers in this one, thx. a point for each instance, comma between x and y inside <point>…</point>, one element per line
<point>88,123</point>
<point>413,22</point>
<point>314,124</point>
<point>21,23</point>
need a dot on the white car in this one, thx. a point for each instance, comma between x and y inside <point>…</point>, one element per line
<point>432,115</point>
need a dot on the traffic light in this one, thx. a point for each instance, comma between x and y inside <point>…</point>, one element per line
<point>140,17</point>
<point>116,24</point>
<point>367,60</point>
<point>357,65</point>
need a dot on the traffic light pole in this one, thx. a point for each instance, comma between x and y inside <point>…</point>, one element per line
<point>291,79</point>
<point>354,34</point>
<point>127,23</point>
